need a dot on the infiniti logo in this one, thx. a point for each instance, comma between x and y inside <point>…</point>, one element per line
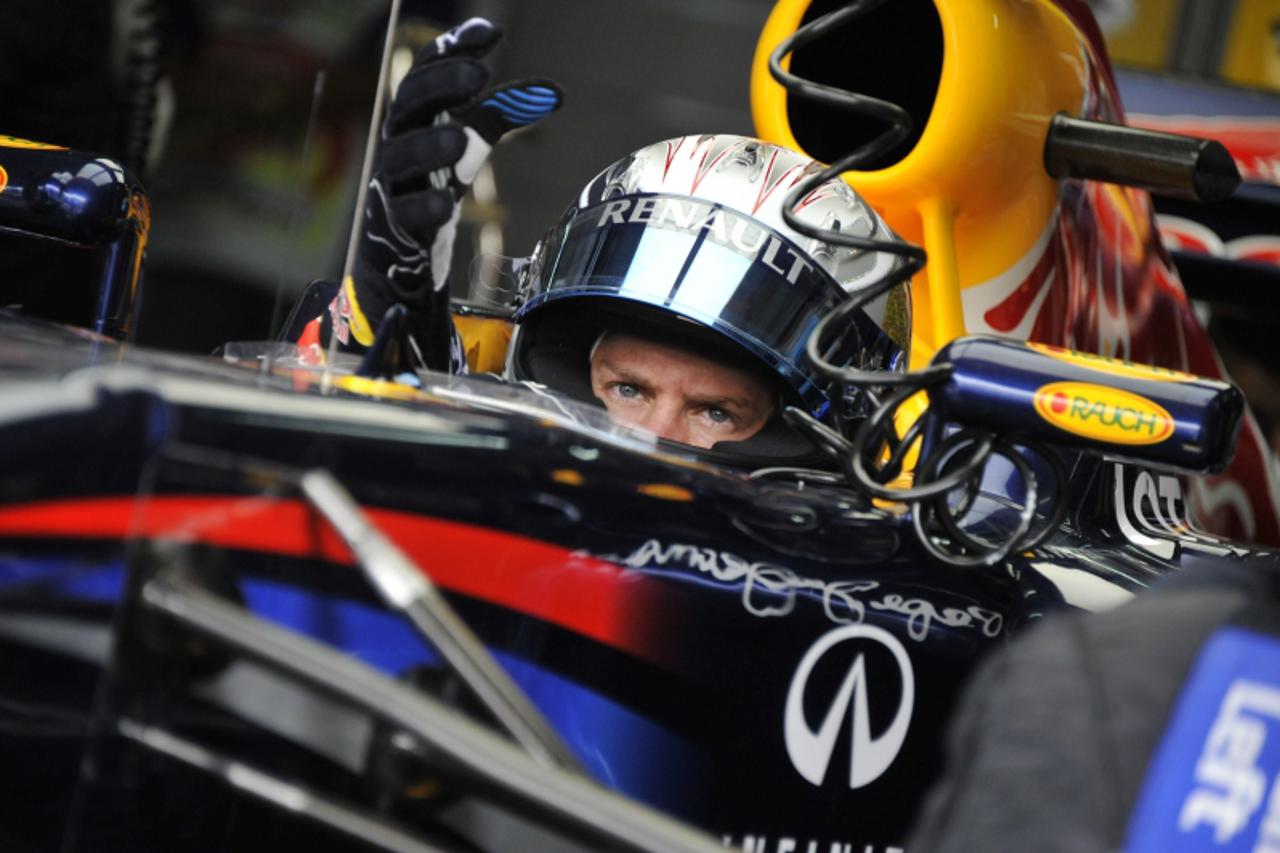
<point>810,750</point>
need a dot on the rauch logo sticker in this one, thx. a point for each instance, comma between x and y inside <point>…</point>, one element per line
<point>1103,414</point>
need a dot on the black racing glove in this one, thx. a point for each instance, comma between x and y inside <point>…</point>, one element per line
<point>438,132</point>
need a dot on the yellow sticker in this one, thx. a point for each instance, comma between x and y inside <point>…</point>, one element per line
<point>15,142</point>
<point>383,389</point>
<point>1103,414</point>
<point>1114,366</point>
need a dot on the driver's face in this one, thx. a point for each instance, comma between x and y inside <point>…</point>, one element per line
<point>676,394</point>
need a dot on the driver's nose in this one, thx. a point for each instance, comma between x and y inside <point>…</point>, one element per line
<point>666,419</point>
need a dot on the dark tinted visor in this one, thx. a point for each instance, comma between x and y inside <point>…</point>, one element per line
<point>712,265</point>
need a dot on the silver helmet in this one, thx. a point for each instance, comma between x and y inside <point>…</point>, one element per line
<point>686,237</point>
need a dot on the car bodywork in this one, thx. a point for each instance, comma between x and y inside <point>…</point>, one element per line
<point>1012,251</point>
<point>242,598</point>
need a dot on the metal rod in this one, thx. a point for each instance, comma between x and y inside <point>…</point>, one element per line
<point>567,799</point>
<point>295,209</point>
<point>407,588</point>
<point>370,147</point>
<point>285,795</point>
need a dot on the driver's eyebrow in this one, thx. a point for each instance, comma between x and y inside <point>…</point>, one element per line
<point>625,373</point>
<point>723,402</point>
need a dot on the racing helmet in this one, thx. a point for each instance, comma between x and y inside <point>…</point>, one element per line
<point>684,241</point>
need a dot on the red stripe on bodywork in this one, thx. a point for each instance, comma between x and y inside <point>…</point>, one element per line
<point>593,597</point>
<point>1006,316</point>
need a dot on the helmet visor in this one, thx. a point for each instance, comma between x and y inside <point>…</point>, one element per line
<point>712,265</point>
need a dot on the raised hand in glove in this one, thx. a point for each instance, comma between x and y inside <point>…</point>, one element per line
<point>439,130</point>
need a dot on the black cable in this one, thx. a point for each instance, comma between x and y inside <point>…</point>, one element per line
<point>956,461</point>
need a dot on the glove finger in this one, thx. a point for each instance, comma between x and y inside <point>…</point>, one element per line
<point>473,37</point>
<point>421,214</point>
<point>432,89</point>
<point>407,161</point>
<point>512,105</point>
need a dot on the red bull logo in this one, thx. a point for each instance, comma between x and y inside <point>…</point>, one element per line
<point>1104,414</point>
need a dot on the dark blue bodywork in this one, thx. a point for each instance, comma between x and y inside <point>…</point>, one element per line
<point>722,589</point>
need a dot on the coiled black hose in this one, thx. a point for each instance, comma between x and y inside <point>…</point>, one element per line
<point>949,460</point>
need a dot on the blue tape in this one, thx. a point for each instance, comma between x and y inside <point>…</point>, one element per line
<point>1208,786</point>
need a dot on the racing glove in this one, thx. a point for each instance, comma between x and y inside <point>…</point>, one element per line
<point>438,132</point>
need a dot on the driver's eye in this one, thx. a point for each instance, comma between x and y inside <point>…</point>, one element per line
<point>626,389</point>
<point>720,416</point>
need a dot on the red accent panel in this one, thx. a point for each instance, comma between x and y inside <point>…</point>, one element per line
<point>310,334</point>
<point>593,597</point>
<point>1006,316</point>
<point>1264,254</point>
<point>1183,239</point>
